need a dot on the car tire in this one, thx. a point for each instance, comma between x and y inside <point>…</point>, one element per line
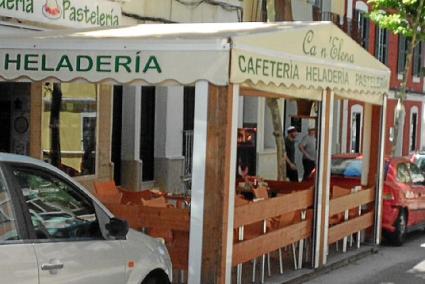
<point>159,279</point>
<point>401,226</point>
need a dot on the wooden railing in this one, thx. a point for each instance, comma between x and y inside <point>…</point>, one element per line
<point>245,250</point>
<point>171,224</point>
<point>354,219</point>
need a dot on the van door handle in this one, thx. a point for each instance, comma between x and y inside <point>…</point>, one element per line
<point>51,266</point>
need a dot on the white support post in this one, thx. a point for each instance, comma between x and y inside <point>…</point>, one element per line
<point>345,115</point>
<point>131,114</point>
<point>367,134</point>
<point>231,215</point>
<point>327,96</point>
<point>198,182</point>
<point>380,181</point>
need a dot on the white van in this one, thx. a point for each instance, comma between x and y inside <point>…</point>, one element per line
<point>52,230</point>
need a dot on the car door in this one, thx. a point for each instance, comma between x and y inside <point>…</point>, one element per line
<point>18,263</point>
<point>69,238</point>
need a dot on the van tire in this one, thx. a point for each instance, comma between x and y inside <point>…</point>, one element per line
<point>401,227</point>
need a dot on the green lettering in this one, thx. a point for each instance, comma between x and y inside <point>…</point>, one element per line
<point>100,63</point>
<point>242,58</point>
<point>29,8</point>
<point>84,63</point>
<point>44,64</point>
<point>29,61</point>
<point>102,19</point>
<point>66,6</point>
<point>80,15</point>
<point>73,14</point>
<point>137,67</point>
<point>64,62</point>
<point>251,66</point>
<point>152,64</point>
<point>123,61</point>
<point>16,61</point>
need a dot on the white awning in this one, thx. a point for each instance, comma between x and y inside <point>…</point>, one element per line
<point>302,59</point>
<point>295,59</point>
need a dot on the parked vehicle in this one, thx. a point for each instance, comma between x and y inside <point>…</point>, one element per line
<point>52,230</point>
<point>403,194</point>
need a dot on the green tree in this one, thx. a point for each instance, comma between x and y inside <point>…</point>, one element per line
<point>407,18</point>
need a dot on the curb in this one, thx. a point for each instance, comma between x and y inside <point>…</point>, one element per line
<point>332,266</point>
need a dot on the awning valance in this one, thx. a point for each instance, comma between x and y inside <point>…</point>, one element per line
<point>295,59</point>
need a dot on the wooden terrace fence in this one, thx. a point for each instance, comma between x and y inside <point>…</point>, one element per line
<point>353,219</point>
<point>254,212</point>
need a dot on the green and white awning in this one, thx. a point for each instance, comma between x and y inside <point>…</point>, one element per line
<point>295,59</point>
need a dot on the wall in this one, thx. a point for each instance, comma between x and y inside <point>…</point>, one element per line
<point>172,10</point>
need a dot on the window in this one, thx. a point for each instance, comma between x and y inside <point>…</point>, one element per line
<point>57,210</point>
<point>363,24</point>
<point>417,177</point>
<point>413,128</point>
<point>8,229</point>
<point>417,60</point>
<point>402,53</point>
<point>356,129</point>
<point>403,173</point>
<point>381,51</point>
<point>69,127</point>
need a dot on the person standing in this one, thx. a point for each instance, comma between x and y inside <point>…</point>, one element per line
<point>291,167</point>
<point>308,148</point>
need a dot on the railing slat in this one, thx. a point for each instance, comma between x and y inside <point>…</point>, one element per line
<point>250,249</point>
<point>350,201</point>
<point>347,228</point>
<point>262,210</point>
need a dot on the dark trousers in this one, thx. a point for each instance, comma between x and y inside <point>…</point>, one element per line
<point>291,174</point>
<point>309,166</point>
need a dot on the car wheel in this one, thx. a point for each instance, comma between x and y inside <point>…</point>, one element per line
<point>400,232</point>
<point>159,279</point>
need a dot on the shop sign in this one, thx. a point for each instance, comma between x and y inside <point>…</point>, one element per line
<point>80,63</point>
<point>123,66</point>
<point>71,13</point>
<point>269,69</point>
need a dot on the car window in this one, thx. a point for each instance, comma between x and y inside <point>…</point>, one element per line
<point>57,210</point>
<point>8,231</point>
<point>421,164</point>
<point>416,174</point>
<point>403,174</point>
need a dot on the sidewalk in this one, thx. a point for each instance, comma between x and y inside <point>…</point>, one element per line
<point>334,262</point>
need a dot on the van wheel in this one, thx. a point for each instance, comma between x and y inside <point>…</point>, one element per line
<point>400,232</point>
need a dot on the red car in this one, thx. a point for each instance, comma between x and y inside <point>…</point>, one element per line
<point>404,199</point>
<point>403,196</point>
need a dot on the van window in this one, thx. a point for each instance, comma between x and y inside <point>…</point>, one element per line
<point>57,210</point>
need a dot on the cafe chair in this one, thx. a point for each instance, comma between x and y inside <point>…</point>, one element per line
<point>107,191</point>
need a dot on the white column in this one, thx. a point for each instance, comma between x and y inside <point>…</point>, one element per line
<point>344,127</point>
<point>130,135</point>
<point>198,182</point>
<point>241,102</point>
<point>169,122</point>
<point>380,187</point>
<point>423,127</point>
<point>231,215</point>
<point>367,131</point>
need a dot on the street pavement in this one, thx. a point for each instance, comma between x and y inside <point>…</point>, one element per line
<point>391,265</point>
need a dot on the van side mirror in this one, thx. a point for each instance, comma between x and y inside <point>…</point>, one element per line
<point>117,228</point>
